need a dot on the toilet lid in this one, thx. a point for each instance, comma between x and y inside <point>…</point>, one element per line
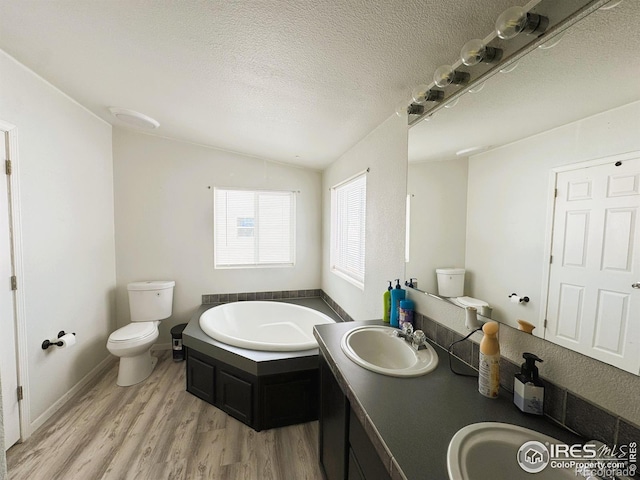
<point>133,331</point>
<point>472,302</point>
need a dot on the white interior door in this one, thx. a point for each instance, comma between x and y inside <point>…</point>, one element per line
<point>8,363</point>
<point>593,307</point>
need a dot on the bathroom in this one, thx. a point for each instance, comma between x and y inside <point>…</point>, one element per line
<point>141,209</point>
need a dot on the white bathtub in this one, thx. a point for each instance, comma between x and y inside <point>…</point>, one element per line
<point>269,326</point>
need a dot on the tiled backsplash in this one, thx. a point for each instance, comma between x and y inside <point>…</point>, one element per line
<point>560,404</point>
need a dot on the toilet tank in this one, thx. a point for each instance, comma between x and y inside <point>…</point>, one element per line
<point>152,300</point>
<point>450,282</point>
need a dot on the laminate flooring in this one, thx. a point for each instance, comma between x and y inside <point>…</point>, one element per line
<point>156,430</point>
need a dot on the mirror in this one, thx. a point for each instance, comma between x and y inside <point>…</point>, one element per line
<point>487,209</point>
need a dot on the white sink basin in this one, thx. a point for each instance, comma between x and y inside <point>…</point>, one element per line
<point>378,349</point>
<point>491,450</point>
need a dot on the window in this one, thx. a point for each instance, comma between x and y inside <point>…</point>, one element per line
<point>253,228</point>
<point>348,212</point>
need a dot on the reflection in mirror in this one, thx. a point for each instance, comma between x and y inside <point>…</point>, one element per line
<point>489,212</point>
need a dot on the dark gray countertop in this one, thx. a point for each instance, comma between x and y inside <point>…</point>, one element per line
<point>412,420</point>
<point>255,362</point>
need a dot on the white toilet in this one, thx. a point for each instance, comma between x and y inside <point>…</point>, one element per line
<point>149,302</point>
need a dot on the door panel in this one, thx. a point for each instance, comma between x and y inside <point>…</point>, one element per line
<point>592,307</point>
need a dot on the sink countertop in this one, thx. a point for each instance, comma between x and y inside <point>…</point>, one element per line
<point>411,420</point>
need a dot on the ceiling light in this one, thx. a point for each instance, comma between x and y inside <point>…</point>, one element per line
<point>446,75</point>
<point>516,20</point>
<point>424,93</point>
<point>136,119</point>
<point>475,51</point>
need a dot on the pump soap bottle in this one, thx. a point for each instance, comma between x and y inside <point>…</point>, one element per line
<point>528,390</point>
<point>386,303</point>
<point>397,294</point>
<point>489,365</point>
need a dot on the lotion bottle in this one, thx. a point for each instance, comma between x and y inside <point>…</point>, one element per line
<point>386,303</point>
<point>397,294</point>
<point>489,365</point>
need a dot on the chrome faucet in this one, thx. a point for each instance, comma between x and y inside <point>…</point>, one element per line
<point>417,339</point>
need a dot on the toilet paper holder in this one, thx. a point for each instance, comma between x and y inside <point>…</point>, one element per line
<point>48,343</point>
<point>520,299</point>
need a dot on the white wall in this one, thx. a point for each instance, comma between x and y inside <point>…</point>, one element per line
<point>508,200</point>
<point>66,197</point>
<point>524,167</point>
<point>384,151</point>
<point>438,193</point>
<point>164,220</point>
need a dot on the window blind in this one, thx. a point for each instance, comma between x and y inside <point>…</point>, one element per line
<point>253,228</point>
<point>348,228</point>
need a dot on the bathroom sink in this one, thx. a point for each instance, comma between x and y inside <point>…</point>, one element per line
<point>377,348</point>
<point>490,450</point>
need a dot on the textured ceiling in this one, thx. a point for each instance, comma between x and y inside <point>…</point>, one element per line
<point>302,81</point>
<point>293,81</point>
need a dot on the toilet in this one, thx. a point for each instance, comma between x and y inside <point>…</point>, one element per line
<point>149,303</point>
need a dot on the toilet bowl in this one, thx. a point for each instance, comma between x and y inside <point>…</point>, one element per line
<point>149,302</point>
<point>132,343</point>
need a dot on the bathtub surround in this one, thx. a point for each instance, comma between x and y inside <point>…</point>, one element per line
<point>220,298</point>
<point>164,220</point>
<point>262,389</point>
<point>67,234</point>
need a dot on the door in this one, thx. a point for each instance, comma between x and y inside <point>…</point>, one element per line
<point>593,306</point>
<point>8,363</point>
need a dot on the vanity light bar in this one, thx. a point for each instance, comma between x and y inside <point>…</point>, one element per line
<point>560,16</point>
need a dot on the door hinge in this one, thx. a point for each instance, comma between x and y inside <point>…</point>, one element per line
<point>14,283</point>
<point>20,393</point>
<point>550,258</point>
<point>544,325</point>
<point>555,193</point>
<point>7,167</point>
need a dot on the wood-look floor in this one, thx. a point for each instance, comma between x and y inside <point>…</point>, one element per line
<point>156,430</point>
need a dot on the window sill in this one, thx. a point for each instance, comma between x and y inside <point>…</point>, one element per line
<point>349,279</point>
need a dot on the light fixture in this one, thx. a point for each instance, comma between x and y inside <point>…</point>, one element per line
<point>543,23</point>
<point>516,20</point>
<point>136,119</point>
<point>510,68</point>
<point>472,150</point>
<point>424,93</point>
<point>475,51</point>
<point>446,75</point>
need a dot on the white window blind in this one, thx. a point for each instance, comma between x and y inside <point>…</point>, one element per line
<point>253,228</point>
<point>348,212</point>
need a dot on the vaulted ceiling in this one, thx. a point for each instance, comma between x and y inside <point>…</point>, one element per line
<point>294,81</point>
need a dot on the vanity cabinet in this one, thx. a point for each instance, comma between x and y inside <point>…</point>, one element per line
<point>345,450</point>
<point>259,401</point>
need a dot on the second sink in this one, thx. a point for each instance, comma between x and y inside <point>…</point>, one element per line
<point>377,348</point>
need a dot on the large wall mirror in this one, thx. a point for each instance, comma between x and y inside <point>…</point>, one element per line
<point>479,173</point>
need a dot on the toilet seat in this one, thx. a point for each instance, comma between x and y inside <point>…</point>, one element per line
<point>471,302</point>
<point>133,332</point>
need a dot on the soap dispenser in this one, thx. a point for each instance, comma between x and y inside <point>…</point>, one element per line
<point>528,390</point>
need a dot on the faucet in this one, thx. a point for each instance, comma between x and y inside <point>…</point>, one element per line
<point>417,339</point>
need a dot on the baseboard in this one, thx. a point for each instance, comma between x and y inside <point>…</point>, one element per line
<point>49,412</point>
<point>160,346</point>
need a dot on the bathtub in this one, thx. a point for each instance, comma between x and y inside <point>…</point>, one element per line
<point>267,326</point>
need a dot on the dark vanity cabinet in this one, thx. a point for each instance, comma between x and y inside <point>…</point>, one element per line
<point>346,452</point>
<point>259,401</point>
